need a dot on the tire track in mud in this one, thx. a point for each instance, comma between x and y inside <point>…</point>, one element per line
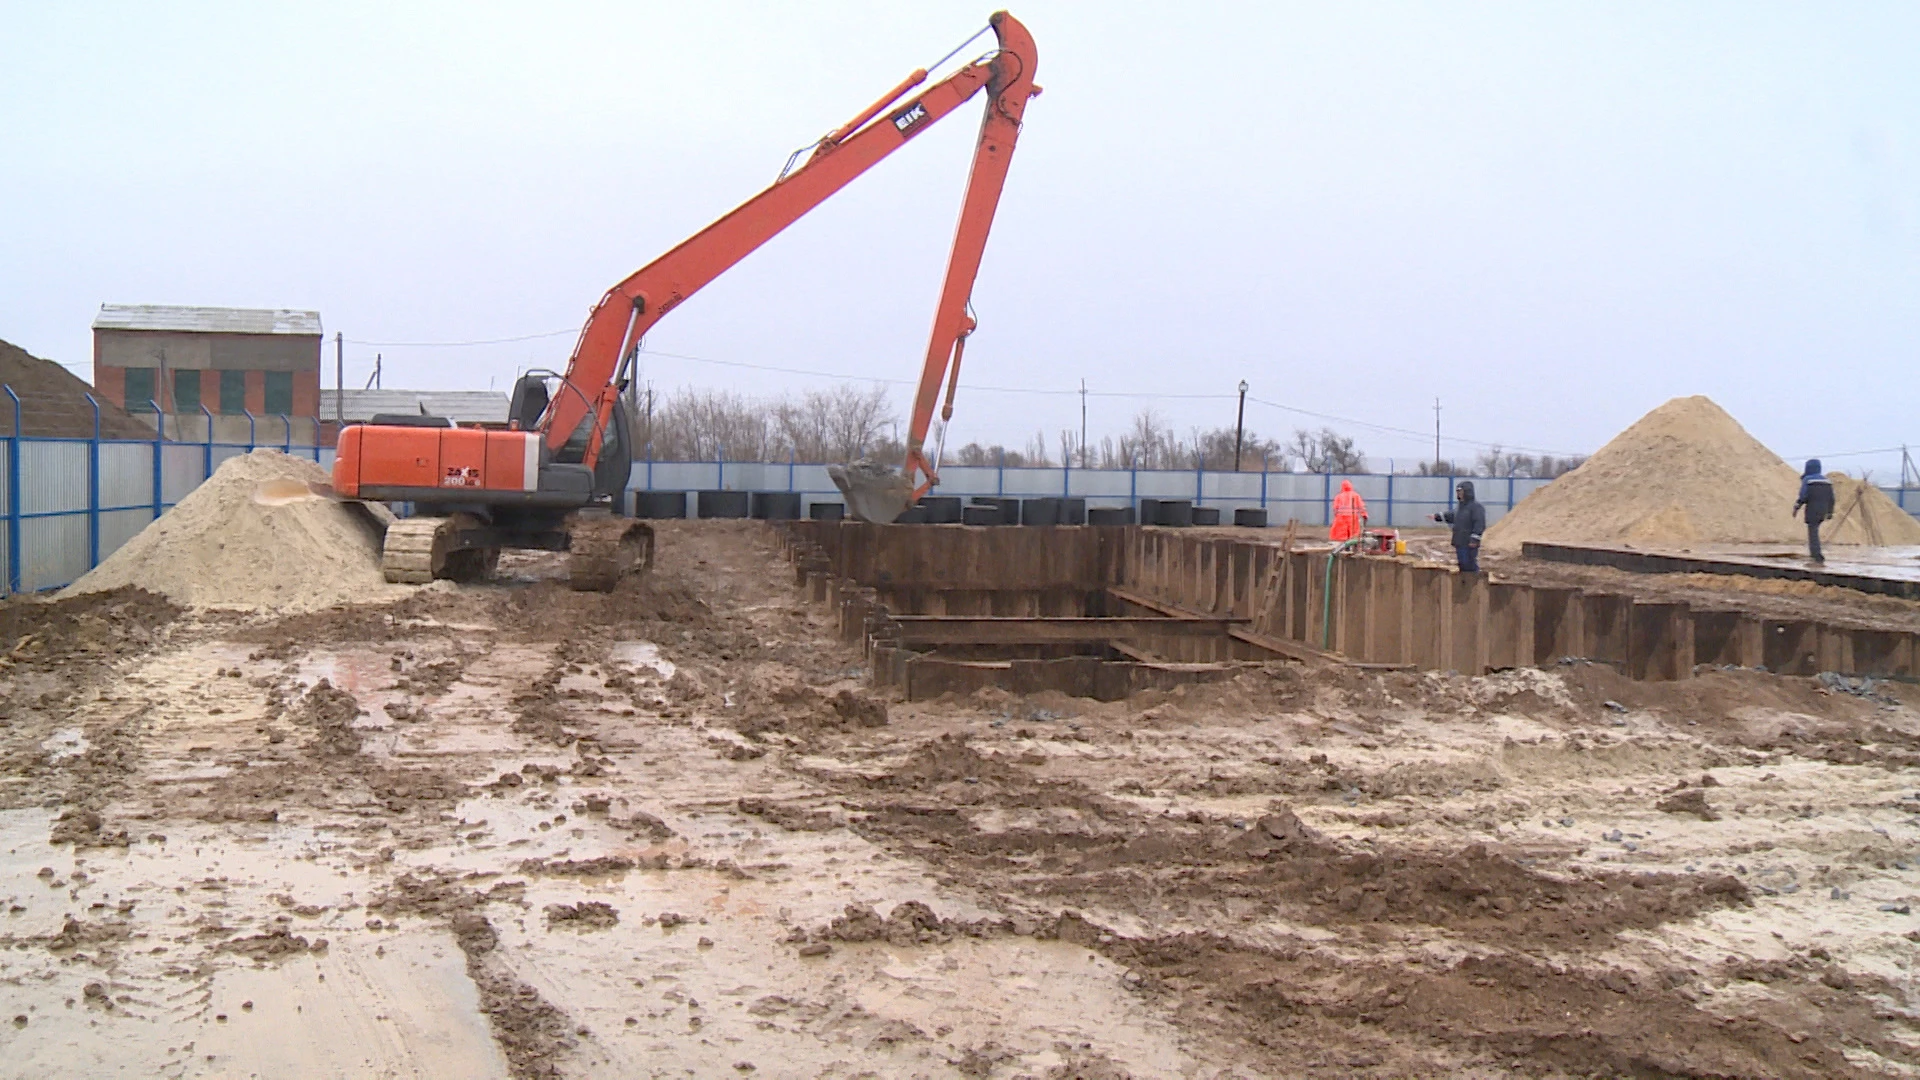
<point>1494,963</point>
<point>535,1036</point>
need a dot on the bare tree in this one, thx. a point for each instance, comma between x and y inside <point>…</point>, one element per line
<point>1037,450</point>
<point>1326,451</point>
<point>833,425</point>
<point>838,424</point>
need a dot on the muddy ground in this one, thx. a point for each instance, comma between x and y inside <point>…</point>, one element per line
<point>510,830</point>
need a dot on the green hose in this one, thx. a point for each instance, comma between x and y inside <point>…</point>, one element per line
<point>1326,609</point>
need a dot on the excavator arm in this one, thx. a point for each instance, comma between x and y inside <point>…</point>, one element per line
<point>624,315</point>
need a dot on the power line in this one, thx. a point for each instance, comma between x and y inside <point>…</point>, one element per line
<point>460,344</point>
<point>976,387</point>
<point>1037,391</point>
<point>1407,432</point>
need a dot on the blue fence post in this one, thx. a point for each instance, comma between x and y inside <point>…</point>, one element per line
<point>720,468</point>
<point>287,423</point>
<point>316,439</point>
<point>159,475</point>
<point>93,488</point>
<point>1000,478</point>
<point>1326,498</point>
<point>250,432</point>
<point>789,469</point>
<point>13,498</point>
<point>1263,481</point>
<point>1199,483</point>
<point>1133,484</point>
<point>1389,494</point>
<point>206,453</point>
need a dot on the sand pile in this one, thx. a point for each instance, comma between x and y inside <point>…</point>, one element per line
<point>53,401</point>
<point>1688,473</point>
<point>1863,514</point>
<point>255,537</point>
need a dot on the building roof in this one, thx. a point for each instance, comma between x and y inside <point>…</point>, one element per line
<point>460,406</point>
<point>207,320</point>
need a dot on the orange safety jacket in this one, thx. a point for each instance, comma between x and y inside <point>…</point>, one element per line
<point>1349,510</point>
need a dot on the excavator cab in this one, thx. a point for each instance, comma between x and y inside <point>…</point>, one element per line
<point>528,402</point>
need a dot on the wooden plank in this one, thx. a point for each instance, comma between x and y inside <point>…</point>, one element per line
<point>916,630</point>
<point>1897,581</point>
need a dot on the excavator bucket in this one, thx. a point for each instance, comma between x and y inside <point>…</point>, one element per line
<point>873,492</point>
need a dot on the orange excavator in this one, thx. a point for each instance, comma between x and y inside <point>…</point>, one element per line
<point>567,446</point>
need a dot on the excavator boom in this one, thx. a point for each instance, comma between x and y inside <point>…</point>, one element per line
<point>628,310</point>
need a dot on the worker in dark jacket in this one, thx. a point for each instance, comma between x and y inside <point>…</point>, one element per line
<point>1816,494</point>
<point>1469,520</point>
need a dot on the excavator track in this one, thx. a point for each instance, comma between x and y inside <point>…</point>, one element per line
<point>419,549</point>
<point>416,549</point>
<point>604,552</point>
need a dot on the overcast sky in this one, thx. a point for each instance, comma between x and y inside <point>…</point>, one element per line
<point>1553,217</point>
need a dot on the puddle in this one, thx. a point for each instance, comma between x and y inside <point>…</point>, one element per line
<point>642,654</point>
<point>65,743</point>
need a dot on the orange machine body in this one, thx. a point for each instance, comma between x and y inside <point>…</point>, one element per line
<point>427,464</point>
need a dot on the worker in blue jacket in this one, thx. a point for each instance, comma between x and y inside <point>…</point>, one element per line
<point>1469,519</point>
<point>1816,494</point>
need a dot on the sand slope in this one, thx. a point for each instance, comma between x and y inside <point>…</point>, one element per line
<point>253,538</point>
<point>1688,473</point>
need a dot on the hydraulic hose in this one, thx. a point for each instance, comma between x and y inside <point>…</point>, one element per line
<point>1326,608</point>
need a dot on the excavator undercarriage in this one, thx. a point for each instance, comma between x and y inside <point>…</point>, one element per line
<point>460,547</point>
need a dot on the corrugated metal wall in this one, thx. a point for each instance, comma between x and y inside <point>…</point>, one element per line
<point>65,508</point>
<point>58,510</point>
<point>1402,501</point>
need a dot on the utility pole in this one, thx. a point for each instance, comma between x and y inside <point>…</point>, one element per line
<point>1083,423</point>
<point>1240,426</point>
<point>339,378</point>
<point>1436,436</point>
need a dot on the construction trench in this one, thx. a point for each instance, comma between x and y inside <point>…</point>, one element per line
<point>1101,612</point>
<point>937,801</point>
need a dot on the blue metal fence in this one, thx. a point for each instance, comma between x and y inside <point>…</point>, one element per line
<point>72,502</point>
<point>1393,500</point>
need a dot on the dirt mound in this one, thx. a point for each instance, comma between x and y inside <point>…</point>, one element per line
<point>36,630</point>
<point>254,537</point>
<point>1687,473</point>
<point>53,401</point>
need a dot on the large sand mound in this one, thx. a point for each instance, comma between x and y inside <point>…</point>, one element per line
<point>1688,473</point>
<point>254,537</point>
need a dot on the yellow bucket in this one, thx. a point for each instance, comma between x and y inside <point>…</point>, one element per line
<point>1399,547</point>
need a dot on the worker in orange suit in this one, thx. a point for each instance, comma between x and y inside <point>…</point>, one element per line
<point>1349,514</point>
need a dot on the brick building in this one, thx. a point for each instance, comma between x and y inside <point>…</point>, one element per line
<point>228,361</point>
